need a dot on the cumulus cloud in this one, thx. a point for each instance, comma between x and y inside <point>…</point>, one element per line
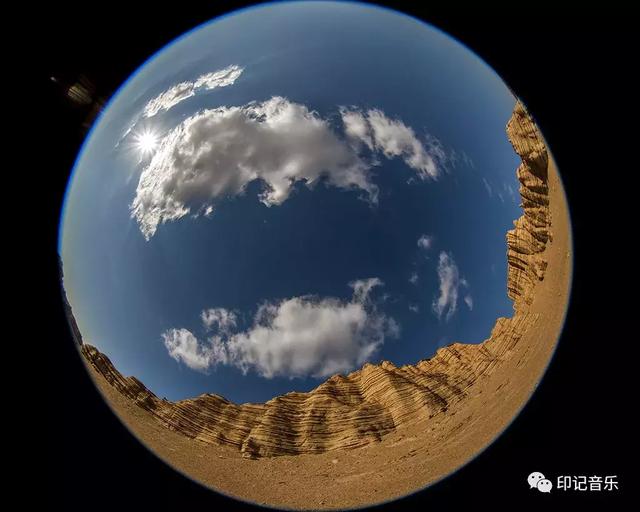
<point>450,282</point>
<point>184,347</point>
<point>413,278</point>
<point>295,337</point>
<point>425,242</point>
<point>217,152</point>
<point>394,139</point>
<point>180,92</point>
<point>414,308</point>
<point>357,128</point>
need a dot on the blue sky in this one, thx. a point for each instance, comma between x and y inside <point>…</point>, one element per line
<point>257,284</point>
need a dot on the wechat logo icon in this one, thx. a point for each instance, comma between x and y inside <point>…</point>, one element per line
<point>537,480</point>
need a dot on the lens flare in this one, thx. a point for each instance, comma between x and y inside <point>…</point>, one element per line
<point>146,142</point>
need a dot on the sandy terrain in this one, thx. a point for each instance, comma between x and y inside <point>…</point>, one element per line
<point>416,452</point>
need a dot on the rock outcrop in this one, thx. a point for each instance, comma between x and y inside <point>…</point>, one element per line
<point>527,241</point>
<point>361,408</point>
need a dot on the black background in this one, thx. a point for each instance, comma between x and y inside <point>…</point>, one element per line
<point>571,68</point>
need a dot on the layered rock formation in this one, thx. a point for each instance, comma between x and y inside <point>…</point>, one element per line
<point>527,241</point>
<point>361,408</point>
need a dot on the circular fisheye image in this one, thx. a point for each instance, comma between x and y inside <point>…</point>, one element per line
<point>315,255</point>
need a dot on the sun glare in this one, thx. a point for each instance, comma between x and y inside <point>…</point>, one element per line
<point>146,141</point>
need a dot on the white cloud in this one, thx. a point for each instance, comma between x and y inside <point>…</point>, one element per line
<point>356,127</point>
<point>180,92</point>
<point>221,78</point>
<point>413,279</point>
<point>169,99</point>
<point>469,302</point>
<point>184,347</point>
<point>394,139</point>
<point>425,242</point>
<point>446,303</point>
<point>414,308</point>
<point>295,337</point>
<point>362,288</point>
<point>219,318</point>
<point>216,153</point>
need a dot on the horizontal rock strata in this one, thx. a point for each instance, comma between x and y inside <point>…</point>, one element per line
<point>527,241</point>
<point>360,408</point>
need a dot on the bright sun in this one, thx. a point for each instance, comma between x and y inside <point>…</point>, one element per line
<point>146,141</point>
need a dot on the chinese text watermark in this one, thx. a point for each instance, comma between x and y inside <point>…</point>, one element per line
<point>582,483</point>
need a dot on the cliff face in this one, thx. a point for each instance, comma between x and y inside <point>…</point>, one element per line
<point>527,241</point>
<point>360,408</point>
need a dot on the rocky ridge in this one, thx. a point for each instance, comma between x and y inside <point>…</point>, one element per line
<point>527,241</point>
<point>360,408</point>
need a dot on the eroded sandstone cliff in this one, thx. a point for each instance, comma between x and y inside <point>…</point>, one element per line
<point>527,241</point>
<point>360,408</point>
